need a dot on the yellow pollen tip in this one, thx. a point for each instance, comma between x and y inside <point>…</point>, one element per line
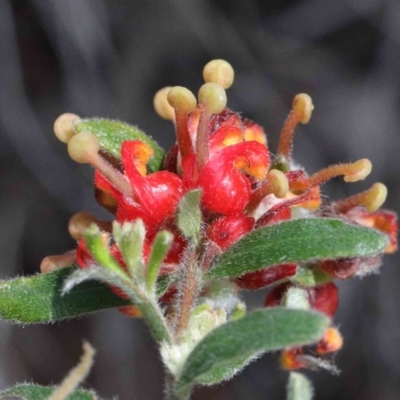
<point>302,107</point>
<point>331,341</point>
<point>213,97</point>
<point>82,146</point>
<point>181,99</point>
<point>358,171</point>
<point>375,197</point>
<point>79,222</point>
<point>161,104</point>
<point>64,126</point>
<point>220,72</point>
<point>279,183</point>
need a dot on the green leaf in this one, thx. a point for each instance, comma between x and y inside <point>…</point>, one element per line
<point>189,215</point>
<point>148,305</point>
<point>258,331</point>
<point>299,387</point>
<point>38,298</point>
<point>160,248</point>
<point>311,276</point>
<point>296,297</point>
<point>163,284</point>
<point>130,239</point>
<point>36,392</point>
<point>298,240</point>
<point>100,251</point>
<point>112,133</point>
<point>225,371</point>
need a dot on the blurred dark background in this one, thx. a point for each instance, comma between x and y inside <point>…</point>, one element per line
<point>107,58</point>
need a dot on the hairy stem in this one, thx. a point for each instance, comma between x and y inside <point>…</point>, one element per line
<point>170,390</point>
<point>189,289</point>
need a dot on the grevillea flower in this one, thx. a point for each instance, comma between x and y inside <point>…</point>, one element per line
<point>244,187</point>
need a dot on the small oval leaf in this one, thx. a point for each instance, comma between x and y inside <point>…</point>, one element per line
<point>295,241</point>
<point>112,133</point>
<point>38,298</point>
<point>37,392</point>
<point>258,331</point>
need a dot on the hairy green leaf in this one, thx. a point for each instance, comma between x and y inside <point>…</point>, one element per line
<point>258,331</point>
<point>38,298</point>
<point>299,387</point>
<point>36,392</point>
<point>189,215</point>
<point>112,133</point>
<point>298,240</point>
<point>225,371</point>
<point>160,248</point>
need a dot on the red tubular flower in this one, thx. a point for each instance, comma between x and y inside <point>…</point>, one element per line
<point>127,208</point>
<point>226,188</point>
<point>158,194</point>
<point>226,231</point>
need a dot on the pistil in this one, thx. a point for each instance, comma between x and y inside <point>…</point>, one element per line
<point>276,184</point>
<point>352,172</point>
<point>372,199</point>
<point>183,101</point>
<point>302,108</point>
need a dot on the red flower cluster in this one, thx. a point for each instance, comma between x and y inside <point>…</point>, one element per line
<point>243,188</point>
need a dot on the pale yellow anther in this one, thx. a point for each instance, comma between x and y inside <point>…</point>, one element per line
<point>302,107</point>
<point>358,171</point>
<point>82,147</point>
<point>181,99</point>
<point>213,97</point>
<point>161,104</point>
<point>64,126</point>
<point>219,71</point>
<point>79,223</point>
<point>375,197</point>
<point>279,183</point>
<point>52,263</point>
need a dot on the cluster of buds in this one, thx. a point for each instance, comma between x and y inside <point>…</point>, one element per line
<point>243,188</point>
